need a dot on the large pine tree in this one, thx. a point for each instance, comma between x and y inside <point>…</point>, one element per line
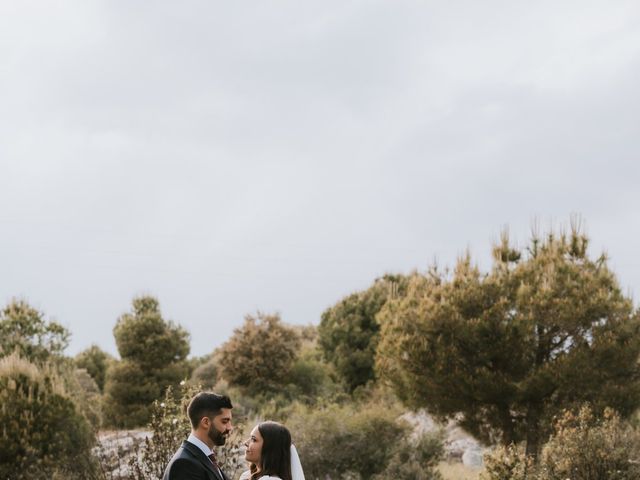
<point>547,328</point>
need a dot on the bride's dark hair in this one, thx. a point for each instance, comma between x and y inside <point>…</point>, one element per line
<point>275,458</point>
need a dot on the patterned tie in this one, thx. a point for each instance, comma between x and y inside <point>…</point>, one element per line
<point>214,460</point>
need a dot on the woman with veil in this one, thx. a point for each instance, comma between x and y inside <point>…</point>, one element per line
<point>271,455</point>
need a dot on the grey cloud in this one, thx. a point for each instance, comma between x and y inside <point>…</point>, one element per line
<point>229,157</point>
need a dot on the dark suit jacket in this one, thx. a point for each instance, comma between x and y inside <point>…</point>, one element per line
<point>190,463</point>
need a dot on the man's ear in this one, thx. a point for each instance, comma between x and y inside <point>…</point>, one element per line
<point>205,422</point>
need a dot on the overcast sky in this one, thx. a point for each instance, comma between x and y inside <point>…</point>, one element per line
<point>229,157</point>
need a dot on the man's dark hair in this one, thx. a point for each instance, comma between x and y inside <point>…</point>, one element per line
<point>275,458</point>
<point>206,404</point>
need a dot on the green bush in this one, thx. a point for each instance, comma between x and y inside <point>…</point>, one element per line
<point>584,446</point>
<point>348,441</point>
<point>129,394</point>
<point>507,463</point>
<point>43,433</point>
<point>415,459</point>
<point>95,361</point>
<point>23,329</point>
<point>206,373</point>
<point>310,378</point>
<point>85,393</point>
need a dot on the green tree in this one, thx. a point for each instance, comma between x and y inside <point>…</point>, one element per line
<point>95,361</point>
<point>546,329</point>
<point>153,353</point>
<point>349,331</point>
<point>310,378</point>
<point>259,355</point>
<point>27,336</point>
<point>205,373</point>
<point>23,329</point>
<point>43,433</point>
<point>85,393</point>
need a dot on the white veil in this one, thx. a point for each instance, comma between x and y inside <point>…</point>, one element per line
<point>296,466</point>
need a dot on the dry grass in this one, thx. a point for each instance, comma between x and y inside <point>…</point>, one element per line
<point>14,365</point>
<point>457,471</point>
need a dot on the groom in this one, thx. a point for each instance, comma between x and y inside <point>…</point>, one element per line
<point>210,416</point>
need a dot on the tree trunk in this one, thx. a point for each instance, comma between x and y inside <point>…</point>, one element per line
<point>508,434</point>
<point>534,410</point>
<point>533,432</point>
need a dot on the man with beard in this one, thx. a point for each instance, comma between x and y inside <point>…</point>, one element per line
<point>210,416</point>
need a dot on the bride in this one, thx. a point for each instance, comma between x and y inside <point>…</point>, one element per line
<point>271,454</point>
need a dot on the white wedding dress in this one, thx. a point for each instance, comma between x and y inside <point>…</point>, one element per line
<point>247,475</point>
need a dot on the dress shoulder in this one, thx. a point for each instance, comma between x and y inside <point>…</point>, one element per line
<point>247,475</point>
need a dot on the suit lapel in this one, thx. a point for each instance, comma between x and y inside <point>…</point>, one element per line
<point>204,460</point>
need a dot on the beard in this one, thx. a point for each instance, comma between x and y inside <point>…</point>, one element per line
<point>218,438</point>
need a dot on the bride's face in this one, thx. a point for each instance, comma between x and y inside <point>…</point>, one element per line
<point>254,447</point>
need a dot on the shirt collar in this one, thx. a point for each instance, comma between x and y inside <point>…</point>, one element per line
<point>200,444</point>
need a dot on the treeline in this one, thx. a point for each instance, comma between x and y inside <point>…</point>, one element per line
<point>542,350</point>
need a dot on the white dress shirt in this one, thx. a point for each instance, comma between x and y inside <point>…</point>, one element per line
<point>200,444</point>
<point>205,449</point>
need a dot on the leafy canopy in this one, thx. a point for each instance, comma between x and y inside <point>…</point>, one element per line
<point>503,352</point>
<point>153,353</point>
<point>95,361</point>
<point>349,330</point>
<point>259,355</point>
<point>24,330</point>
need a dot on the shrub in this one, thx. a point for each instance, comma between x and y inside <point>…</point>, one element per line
<point>349,441</point>
<point>586,447</point>
<point>95,361</point>
<point>583,446</point>
<point>415,459</point>
<point>205,374</point>
<point>86,395</point>
<point>310,378</point>
<point>507,463</point>
<point>43,433</point>
<point>130,392</point>
<point>23,329</point>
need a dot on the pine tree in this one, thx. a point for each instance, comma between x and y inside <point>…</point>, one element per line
<point>153,353</point>
<point>547,328</point>
<point>349,330</point>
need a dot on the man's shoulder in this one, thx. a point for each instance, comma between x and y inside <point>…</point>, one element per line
<point>184,458</point>
<point>187,451</point>
<point>183,461</point>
